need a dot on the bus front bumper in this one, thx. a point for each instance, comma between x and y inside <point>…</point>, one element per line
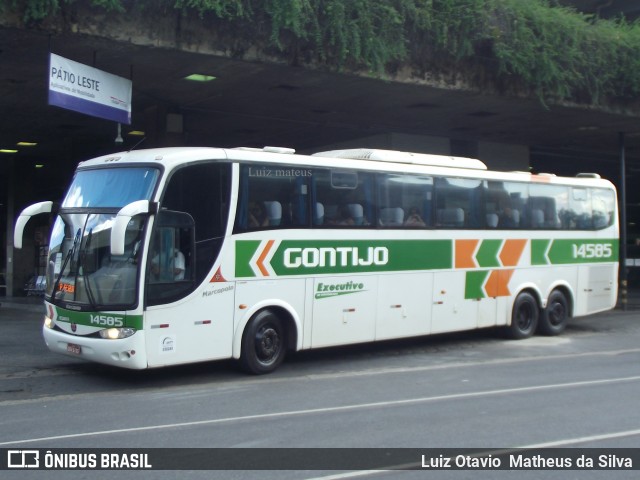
<point>125,353</point>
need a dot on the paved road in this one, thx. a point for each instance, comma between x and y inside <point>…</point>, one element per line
<point>472,390</point>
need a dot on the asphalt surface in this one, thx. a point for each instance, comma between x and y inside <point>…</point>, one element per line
<point>463,390</point>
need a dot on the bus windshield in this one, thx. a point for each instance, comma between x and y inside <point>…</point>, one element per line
<point>81,269</point>
<point>113,187</point>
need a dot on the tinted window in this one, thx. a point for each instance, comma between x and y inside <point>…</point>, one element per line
<point>294,197</point>
<point>579,216</point>
<point>548,206</point>
<point>272,196</point>
<point>342,198</point>
<point>603,204</point>
<point>189,229</point>
<point>505,203</point>
<point>459,203</point>
<point>404,200</point>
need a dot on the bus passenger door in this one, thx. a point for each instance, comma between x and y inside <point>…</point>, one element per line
<point>450,310</point>
<point>344,310</point>
<point>183,322</point>
<point>403,305</point>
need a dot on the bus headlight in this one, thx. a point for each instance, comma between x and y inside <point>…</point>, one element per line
<point>48,322</point>
<point>116,333</point>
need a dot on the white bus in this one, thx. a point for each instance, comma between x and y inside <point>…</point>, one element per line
<point>170,256</point>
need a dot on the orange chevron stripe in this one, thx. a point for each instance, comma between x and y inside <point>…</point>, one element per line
<point>511,252</point>
<point>498,283</point>
<point>263,255</point>
<point>464,253</point>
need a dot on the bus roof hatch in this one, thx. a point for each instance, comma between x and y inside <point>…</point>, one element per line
<point>404,157</point>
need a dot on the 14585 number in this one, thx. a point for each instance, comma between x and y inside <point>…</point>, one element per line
<point>592,250</point>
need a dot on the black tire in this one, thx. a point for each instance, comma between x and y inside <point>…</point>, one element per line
<point>553,319</point>
<point>524,317</point>
<point>263,343</point>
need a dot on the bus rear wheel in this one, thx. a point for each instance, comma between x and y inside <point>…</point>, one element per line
<point>553,319</point>
<point>263,343</point>
<point>524,317</point>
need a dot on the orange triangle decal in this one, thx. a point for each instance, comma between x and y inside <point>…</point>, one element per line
<point>217,277</point>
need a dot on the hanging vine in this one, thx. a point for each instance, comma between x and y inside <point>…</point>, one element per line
<point>554,52</point>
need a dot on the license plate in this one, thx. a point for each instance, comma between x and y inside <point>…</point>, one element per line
<point>73,348</point>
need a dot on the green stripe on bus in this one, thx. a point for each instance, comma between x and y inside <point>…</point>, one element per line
<point>487,255</point>
<point>296,257</point>
<point>99,319</point>
<point>583,251</point>
<point>538,252</point>
<point>474,282</point>
<point>305,257</point>
<point>245,249</point>
<point>314,257</point>
<point>572,251</point>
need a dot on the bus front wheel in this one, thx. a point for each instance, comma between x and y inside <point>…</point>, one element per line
<point>524,317</point>
<point>263,343</point>
<point>553,319</point>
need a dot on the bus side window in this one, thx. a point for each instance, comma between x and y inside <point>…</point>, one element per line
<point>170,261</point>
<point>460,203</point>
<point>195,207</point>
<point>580,214</point>
<point>603,203</point>
<point>502,204</point>
<point>513,210</point>
<point>549,206</point>
<point>404,200</point>
<point>272,196</point>
<point>344,198</point>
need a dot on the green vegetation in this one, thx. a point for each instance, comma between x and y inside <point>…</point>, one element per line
<point>534,46</point>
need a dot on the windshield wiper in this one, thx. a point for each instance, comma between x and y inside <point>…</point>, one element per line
<point>70,253</point>
<point>83,254</point>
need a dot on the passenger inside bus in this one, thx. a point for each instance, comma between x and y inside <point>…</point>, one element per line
<point>257,215</point>
<point>168,262</point>
<point>344,216</point>
<point>507,217</point>
<point>414,219</point>
<point>175,266</point>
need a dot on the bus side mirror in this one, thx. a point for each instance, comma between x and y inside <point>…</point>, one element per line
<point>25,216</point>
<point>122,220</point>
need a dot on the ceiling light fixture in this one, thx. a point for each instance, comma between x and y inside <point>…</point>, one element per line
<point>8,150</point>
<point>136,133</point>
<point>198,77</point>
<point>26,144</point>
<point>118,140</point>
